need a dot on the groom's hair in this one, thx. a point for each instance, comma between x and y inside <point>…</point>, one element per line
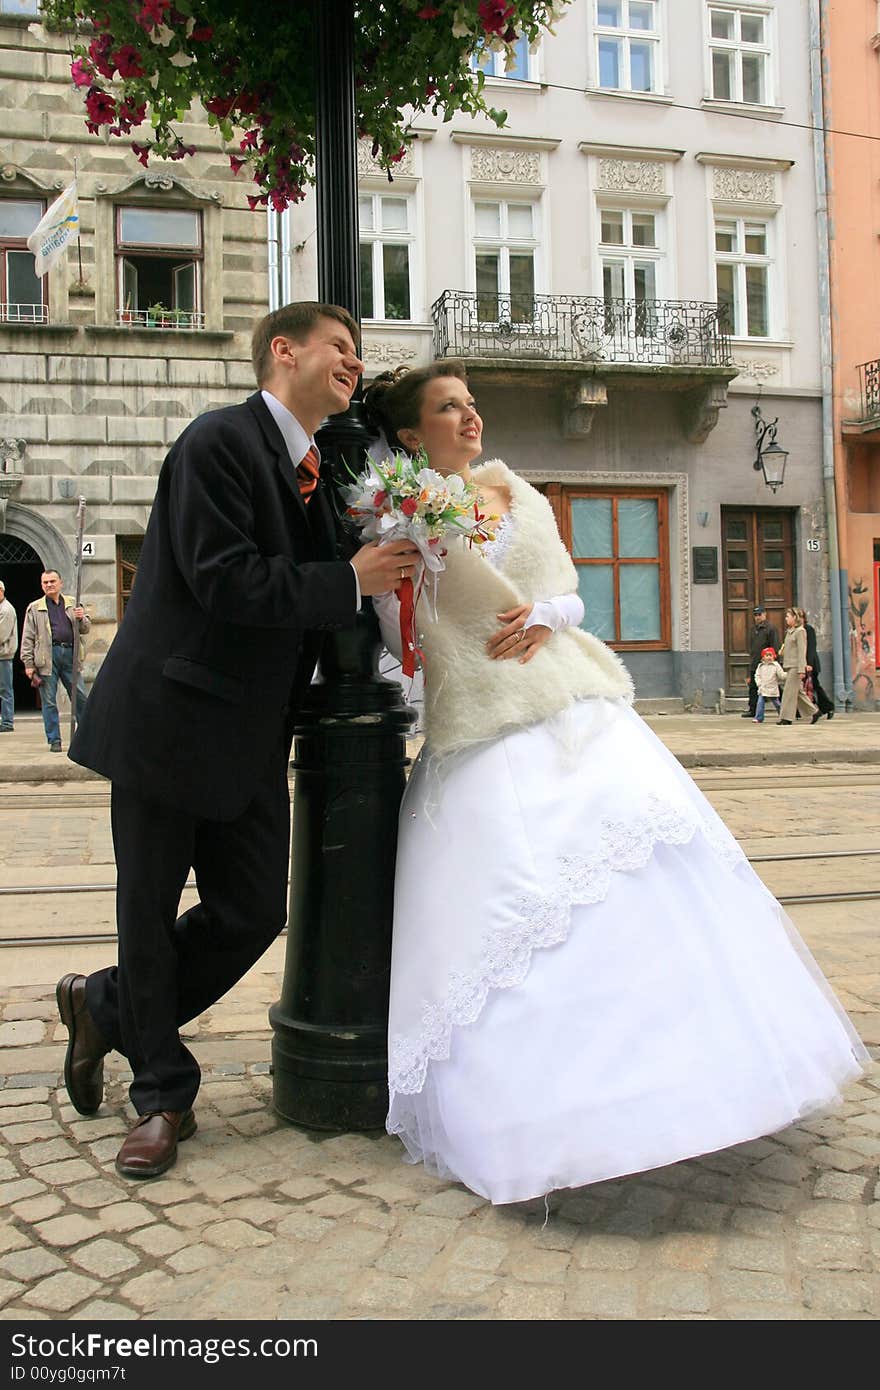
<point>294,321</point>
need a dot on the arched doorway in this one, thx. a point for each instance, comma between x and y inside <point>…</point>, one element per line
<point>20,570</point>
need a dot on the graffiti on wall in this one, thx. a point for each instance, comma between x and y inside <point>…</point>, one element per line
<point>862,641</point>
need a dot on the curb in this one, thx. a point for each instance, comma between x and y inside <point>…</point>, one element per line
<point>72,772</point>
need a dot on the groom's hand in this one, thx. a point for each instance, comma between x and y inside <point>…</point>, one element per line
<point>383,567</point>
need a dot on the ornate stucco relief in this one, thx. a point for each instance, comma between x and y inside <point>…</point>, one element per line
<point>746,185</point>
<point>490,164</point>
<point>631,176</point>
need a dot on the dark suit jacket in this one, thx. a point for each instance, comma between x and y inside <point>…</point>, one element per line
<point>221,634</point>
<point>762,635</point>
<point>812,654</point>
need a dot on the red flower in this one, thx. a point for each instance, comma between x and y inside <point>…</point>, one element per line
<point>220,106</point>
<point>83,75</point>
<point>99,52</point>
<point>429,12</point>
<point>100,106</point>
<point>152,14</point>
<point>495,15</point>
<point>128,61</point>
<point>142,152</point>
<point>379,498</point>
<point>409,506</point>
<point>202,33</point>
<point>235,163</point>
<point>248,140</point>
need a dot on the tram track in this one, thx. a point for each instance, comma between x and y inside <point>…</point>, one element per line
<point>83,938</point>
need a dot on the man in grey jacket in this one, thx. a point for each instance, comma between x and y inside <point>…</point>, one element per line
<point>8,644</point>
<point>51,626</point>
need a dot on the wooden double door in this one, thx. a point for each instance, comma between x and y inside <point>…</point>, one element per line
<point>758,565</point>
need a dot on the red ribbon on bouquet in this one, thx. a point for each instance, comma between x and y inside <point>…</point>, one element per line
<point>409,643</point>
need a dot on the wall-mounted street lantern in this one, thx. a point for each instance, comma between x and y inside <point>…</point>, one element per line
<point>770,458</point>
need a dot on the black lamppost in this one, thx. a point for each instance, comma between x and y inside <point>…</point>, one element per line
<point>329,1051</point>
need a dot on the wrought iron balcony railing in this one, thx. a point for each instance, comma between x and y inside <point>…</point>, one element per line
<point>24,313</point>
<point>580,328</point>
<point>869,380</point>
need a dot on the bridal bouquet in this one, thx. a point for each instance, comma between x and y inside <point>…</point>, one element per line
<point>397,497</point>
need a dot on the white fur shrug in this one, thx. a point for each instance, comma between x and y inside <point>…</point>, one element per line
<point>470,698</point>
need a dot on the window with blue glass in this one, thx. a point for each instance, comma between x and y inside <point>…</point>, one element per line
<point>627,40</point>
<point>618,541</point>
<point>496,64</point>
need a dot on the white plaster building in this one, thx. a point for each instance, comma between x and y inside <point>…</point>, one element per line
<point>657,161</point>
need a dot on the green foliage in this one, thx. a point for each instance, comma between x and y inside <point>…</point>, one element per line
<point>256,79</point>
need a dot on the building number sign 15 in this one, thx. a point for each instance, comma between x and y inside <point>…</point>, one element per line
<point>814,543</point>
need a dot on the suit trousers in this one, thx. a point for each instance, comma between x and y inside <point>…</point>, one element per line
<point>171,968</point>
<point>794,700</point>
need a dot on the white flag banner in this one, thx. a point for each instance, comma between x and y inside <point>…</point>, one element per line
<point>58,228</point>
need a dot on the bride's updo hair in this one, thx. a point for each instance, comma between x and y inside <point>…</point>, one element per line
<point>394,400</point>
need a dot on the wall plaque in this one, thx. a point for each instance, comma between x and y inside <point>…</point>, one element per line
<point>705,567</point>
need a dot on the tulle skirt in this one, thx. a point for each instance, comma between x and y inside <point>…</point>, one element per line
<point>588,979</point>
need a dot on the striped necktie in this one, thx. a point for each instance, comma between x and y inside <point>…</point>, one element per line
<point>307,473</point>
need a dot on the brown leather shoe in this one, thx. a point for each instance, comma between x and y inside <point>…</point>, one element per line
<point>151,1145</point>
<point>86,1049</point>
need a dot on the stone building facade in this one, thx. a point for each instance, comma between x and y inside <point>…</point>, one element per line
<point>142,327</point>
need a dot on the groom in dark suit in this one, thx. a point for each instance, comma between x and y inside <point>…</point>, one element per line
<point>192,712</point>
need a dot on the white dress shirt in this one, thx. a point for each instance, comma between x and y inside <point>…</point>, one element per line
<point>298,445</point>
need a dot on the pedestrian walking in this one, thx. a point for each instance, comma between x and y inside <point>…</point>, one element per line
<point>768,678</point>
<point>794,663</point>
<point>191,717</point>
<point>51,626</point>
<point>764,634</point>
<point>8,648</point>
<point>824,704</point>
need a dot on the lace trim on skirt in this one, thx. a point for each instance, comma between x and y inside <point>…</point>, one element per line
<point>544,919</point>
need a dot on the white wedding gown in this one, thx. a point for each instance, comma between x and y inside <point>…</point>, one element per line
<point>588,979</point>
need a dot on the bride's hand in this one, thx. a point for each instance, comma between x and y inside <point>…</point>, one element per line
<point>513,640</point>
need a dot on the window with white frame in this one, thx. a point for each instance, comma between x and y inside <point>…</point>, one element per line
<point>28,8</point>
<point>520,66</point>
<point>739,54</point>
<point>159,267</point>
<point>22,291</point>
<point>743,272</point>
<point>631,253</point>
<point>505,259</point>
<point>387,256</point>
<point>627,40</point>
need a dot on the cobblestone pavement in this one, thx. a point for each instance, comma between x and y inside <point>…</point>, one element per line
<point>259,1220</point>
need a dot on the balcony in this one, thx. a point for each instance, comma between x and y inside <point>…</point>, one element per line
<point>157,316</point>
<point>593,343</point>
<point>24,313</point>
<point>866,427</point>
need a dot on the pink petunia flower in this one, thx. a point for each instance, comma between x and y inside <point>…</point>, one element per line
<point>82,73</point>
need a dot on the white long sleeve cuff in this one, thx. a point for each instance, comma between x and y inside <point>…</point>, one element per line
<point>565,610</point>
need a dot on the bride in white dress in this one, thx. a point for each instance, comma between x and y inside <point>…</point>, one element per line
<point>588,979</point>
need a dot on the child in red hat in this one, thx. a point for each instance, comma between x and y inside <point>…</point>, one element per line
<point>769,676</point>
